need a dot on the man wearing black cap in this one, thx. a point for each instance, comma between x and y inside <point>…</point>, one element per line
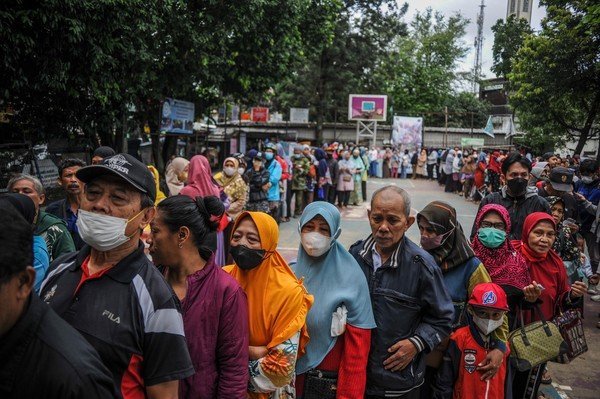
<point>111,293</point>
<point>100,153</point>
<point>560,184</point>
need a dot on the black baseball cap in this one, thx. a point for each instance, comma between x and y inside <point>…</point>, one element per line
<point>127,168</point>
<point>561,179</point>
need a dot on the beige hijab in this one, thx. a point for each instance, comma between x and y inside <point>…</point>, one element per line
<point>174,168</point>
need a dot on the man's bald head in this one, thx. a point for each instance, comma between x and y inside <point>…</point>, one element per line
<point>390,191</point>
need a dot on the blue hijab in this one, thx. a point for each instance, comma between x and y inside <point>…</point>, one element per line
<point>334,278</point>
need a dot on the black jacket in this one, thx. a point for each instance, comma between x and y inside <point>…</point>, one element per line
<point>44,357</point>
<point>410,301</point>
<point>518,208</point>
<point>256,181</point>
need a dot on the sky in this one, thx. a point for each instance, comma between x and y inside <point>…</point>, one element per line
<point>494,10</point>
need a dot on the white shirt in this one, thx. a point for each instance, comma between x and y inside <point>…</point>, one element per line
<point>376,259</point>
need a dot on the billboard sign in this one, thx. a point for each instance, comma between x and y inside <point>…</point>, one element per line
<point>407,132</point>
<point>259,114</point>
<point>177,117</point>
<point>299,115</point>
<point>367,107</point>
<point>471,142</point>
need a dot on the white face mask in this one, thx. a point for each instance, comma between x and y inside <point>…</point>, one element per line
<point>315,244</point>
<point>102,232</point>
<point>241,171</point>
<point>229,171</point>
<point>487,326</point>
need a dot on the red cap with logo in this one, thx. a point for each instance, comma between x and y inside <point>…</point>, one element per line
<point>489,295</point>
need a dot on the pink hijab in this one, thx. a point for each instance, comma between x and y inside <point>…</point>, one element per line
<point>200,181</point>
<point>505,265</point>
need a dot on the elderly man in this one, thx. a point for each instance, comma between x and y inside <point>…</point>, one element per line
<point>412,308</point>
<point>52,229</point>
<point>111,293</point>
<point>42,356</point>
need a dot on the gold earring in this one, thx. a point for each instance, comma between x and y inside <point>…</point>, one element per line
<point>180,245</point>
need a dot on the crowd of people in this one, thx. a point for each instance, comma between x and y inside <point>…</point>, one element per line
<point>137,287</point>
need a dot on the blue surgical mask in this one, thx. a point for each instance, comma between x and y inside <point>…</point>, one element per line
<point>268,156</point>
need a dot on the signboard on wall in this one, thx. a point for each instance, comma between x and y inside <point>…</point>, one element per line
<point>177,117</point>
<point>367,107</point>
<point>471,142</point>
<point>299,115</point>
<point>259,114</point>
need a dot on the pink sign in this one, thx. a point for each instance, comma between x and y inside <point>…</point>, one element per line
<point>369,107</point>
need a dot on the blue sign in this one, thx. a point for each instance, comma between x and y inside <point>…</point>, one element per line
<point>177,117</point>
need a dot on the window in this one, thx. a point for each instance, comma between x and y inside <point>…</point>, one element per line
<point>512,6</point>
<point>525,5</point>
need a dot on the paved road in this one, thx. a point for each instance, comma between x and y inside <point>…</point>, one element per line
<point>578,380</point>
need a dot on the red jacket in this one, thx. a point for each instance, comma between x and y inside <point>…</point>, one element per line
<point>284,168</point>
<point>458,378</point>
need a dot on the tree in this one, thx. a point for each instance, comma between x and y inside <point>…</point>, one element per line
<point>509,36</point>
<point>341,56</point>
<point>79,66</point>
<point>556,73</point>
<point>419,72</point>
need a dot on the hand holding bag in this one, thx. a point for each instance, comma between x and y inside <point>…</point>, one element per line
<point>570,326</point>
<point>535,343</point>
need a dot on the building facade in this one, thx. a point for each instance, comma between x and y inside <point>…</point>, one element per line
<point>520,8</point>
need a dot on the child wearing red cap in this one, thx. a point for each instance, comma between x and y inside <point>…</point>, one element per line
<point>459,377</point>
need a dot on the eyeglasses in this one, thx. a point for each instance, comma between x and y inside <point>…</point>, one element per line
<point>499,225</point>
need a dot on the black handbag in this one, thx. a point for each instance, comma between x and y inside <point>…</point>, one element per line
<point>320,384</point>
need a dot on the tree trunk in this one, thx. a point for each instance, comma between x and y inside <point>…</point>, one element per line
<point>169,148</point>
<point>581,142</point>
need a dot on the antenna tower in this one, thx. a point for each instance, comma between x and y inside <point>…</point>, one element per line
<point>478,48</point>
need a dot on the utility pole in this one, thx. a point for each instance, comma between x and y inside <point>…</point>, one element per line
<point>446,126</point>
<point>478,48</point>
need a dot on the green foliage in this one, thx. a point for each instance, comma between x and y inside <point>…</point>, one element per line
<point>509,36</point>
<point>419,72</point>
<point>556,73</point>
<point>77,65</point>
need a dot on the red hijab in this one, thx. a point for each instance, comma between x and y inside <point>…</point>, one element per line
<point>200,181</point>
<point>505,265</point>
<point>494,165</point>
<point>546,269</point>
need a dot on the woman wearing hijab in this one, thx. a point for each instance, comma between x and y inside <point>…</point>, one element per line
<point>200,182</point>
<point>448,171</point>
<point>323,176</point>
<point>494,169</point>
<point>479,174</point>
<point>565,244</point>
<point>421,162</point>
<point>345,184</point>
<point>211,300</point>
<point>277,305</point>
<point>25,206</point>
<point>338,343</point>
<point>159,194</point>
<point>443,237</point>
<point>234,186</point>
<point>545,267</point>
<point>467,176</point>
<point>504,264</point>
<point>176,175</point>
<point>356,194</point>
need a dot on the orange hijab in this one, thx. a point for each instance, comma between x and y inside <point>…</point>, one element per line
<point>277,301</point>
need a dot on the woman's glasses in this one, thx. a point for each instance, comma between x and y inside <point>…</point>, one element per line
<point>499,225</point>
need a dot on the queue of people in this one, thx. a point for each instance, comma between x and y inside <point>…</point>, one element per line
<point>185,295</point>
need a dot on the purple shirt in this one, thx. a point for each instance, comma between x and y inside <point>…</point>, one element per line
<point>215,320</point>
